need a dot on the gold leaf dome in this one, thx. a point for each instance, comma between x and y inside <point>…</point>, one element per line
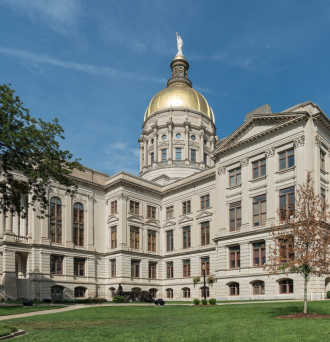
<point>179,92</point>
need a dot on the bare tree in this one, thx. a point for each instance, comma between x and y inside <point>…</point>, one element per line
<point>301,241</point>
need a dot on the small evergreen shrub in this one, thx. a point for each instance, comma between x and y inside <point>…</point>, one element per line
<point>196,301</point>
<point>328,294</point>
<point>204,301</point>
<point>212,301</point>
<point>118,299</point>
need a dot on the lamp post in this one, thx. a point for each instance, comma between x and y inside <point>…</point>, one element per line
<point>203,268</point>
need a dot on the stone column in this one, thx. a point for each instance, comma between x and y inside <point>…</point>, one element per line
<point>201,135</point>
<point>155,146</point>
<point>145,164</point>
<point>212,140</point>
<point>68,229</point>
<point>90,225</point>
<point>141,156</point>
<point>122,226</point>
<point>2,224</point>
<point>9,234</point>
<point>245,196</point>
<point>186,143</point>
<point>272,195</point>
<point>170,145</point>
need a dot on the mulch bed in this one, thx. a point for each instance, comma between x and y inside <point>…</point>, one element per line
<point>302,315</point>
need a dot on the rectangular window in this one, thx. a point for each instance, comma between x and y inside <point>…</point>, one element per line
<point>134,207</point>
<point>135,237</point>
<point>205,262</point>
<point>79,267</point>
<point>286,159</point>
<point>186,268</point>
<point>186,293</point>
<point>234,257</point>
<point>205,201</point>
<point>259,254</point>
<point>323,208</point>
<point>169,293</point>
<point>235,177</point>
<point>235,216</point>
<point>322,160</point>
<point>113,207</point>
<point>152,157</point>
<point>113,268</point>
<point>286,202</point>
<point>169,270</point>
<point>286,250</point>
<point>178,153</point>
<point>135,269</point>
<point>113,237</point>
<point>205,159</point>
<point>205,233</point>
<point>151,241</point>
<point>259,211</point>
<point>151,212</point>
<point>207,292</point>
<point>186,207</point>
<point>286,286</point>
<point>234,289</point>
<point>152,270</point>
<point>169,241</point>
<point>259,168</point>
<point>56,264</point>
<point>169,212</point>
<point>186,237</point>
<point>193,155</point>
<point>164,155</point>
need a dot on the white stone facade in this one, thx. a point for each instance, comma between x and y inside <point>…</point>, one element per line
<point>26,246</point>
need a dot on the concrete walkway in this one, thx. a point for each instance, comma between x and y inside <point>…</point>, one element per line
<point>84,306</point>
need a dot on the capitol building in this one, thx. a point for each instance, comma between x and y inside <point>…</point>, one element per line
<point>200,201</point>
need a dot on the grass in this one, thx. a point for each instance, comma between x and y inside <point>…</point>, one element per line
<point>13,310</point>
<point>6,329</point>
<point>256,322</point>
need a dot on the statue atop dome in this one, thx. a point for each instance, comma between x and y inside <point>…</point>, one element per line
<point>179,44</point>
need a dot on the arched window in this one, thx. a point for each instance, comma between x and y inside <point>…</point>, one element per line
<point>79,292</point>
<point>258,287</point>
<point>112,291</point>
<point>153,293</point>
<point>56,220</point>
<point>78,224</point>
<point>234,289</point>
<point>169,293</point>
<point>207,292</point>
<point>286,286</point>
<point>186,292</point>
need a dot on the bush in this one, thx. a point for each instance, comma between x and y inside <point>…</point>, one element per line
<point>212,301</point>
<point>118,299</point>
<point>9,299</point>
<point>196,301</point>
<point>204,301</point>
<point>98,300</point>
<point>328,294</point>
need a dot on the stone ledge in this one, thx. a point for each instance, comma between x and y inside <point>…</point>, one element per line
<point>14,334</point>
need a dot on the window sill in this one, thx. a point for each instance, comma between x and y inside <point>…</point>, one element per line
<point>324,172</point>
<point>258,179</point>
<point>234,187</point>
<point>186,214</point>
<point>285,170</point>
<point>204,209</point>
<point>261,226</point>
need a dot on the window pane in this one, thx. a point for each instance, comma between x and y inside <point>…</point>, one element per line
<point>282,155</point>
<point>239,179</point>
<point>291,161</point>
<point>238,223</point>
<point>263,219</point>
<point>282,164</point>
<point>255,208</point>
<point>263,206</point>
<point>232,181</point>
<point>282,202</point>
<point>238,212</point>
<point>255,173</point>
<point>263,170</point>
<point>232,214</point>
<point>256,220</point>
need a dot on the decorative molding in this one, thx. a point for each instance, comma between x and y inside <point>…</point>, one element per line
<point>91,197</point>
<point>221,170</point>
<point>300,141</point>
<point>244,162</point>
<point>122,197</point>
<point>270,152</point>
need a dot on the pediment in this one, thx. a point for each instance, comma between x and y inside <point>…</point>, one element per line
<point>185,219</point>
<point>258,126</point>
<point>134,218</point>
<point>112,219</point>
<point>168,224</point>
<point>154,223</point>
<point>203,214</point>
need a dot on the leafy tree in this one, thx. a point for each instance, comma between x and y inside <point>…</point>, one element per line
<point>30,157</point>
<point>301,242</point>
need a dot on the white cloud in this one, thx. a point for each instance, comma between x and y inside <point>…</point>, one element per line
<point>87,68</point>
<point>61,16</point>
<point>123,158</point>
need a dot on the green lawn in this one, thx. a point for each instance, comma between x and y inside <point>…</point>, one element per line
<point>255,322</point>
<point>13,310</point>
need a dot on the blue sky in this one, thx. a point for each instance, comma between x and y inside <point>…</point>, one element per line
<point>95,65</point>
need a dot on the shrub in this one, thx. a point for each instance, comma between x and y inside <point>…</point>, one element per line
<point>118,299</point>
<point>98,300</point>
<point>196,301</point>
<point>2,299</point>
<point>212,301</point>
<point>204,301</point>
<point>328,294</point>
<point>9,299</point>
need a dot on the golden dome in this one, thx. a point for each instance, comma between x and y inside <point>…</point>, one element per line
<point>179,92</point>
<point>179,95</point>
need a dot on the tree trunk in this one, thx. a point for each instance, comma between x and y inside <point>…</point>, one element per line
<point>305,295</point>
